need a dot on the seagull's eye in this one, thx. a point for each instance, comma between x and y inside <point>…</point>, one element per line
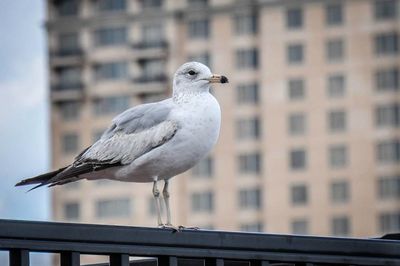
<point>192,73</point>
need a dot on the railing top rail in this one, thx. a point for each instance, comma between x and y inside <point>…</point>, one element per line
<point>106,239</point>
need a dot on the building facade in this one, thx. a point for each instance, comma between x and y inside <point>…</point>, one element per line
<point>310,137</point>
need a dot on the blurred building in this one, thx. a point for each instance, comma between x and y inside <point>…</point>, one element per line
<point>310,139</point>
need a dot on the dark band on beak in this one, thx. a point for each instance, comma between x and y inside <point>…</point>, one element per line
<point>224,79</point>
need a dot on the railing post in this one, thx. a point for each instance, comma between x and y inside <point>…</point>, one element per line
<point>70,258</point>
<point>119,260</point>
<point>167,261</point>
<point>19,257</point>
<point>214,262</point>
<point>259,263</point>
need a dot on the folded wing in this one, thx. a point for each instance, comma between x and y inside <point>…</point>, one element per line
<point>133,133</point>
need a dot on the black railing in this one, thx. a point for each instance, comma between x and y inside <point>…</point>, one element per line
<point>150,44</point>
<point>147,79</point>
<point>188,247</point>
<point>74,86</point>
<point>67,52</point>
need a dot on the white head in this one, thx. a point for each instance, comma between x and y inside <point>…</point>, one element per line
<point>195,77</point>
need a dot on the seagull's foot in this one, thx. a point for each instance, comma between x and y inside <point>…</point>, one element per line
<point>181,227</point>
<point>170,226</point>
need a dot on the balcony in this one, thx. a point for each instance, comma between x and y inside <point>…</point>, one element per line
<point>149,45</point>
<point>150,50</point>
<point>67,91</point>
<point>149,79</point>
<point>75,86</point>
<point>150,84</point>
<point>188,247</point>
<point>67,52</point>
<point>70,57</point>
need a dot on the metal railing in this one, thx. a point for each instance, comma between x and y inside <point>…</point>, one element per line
<point>188,247</point>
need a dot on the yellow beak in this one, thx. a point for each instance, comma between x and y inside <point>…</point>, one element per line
<point>218,79</point>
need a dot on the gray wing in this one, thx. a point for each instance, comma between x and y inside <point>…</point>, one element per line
<point>132,133</point>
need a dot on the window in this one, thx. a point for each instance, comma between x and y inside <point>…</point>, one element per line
<point>296,89</point>
<point>245,24</point>
<point>197,3</point>
<point>388,151</point>
<point>338,156</point>
<point>247,59</point>
<point>152,70</point>
<point>149,4</point>
<point>250,163</point>
<point>334,14</point>
<point>299,195</point>
<point>69,110</point>
<point>203,201</point>
<point>340,226</point>
<point>203,58</point>
<point>70,143</point>
<point>389,187</point>
<point>300,226</point>
<point>295,54</point>
<point>387,115</point>
<point>294,18</point>
<point>67,7</point>
<point>247,93</point>
<point>152,34</point>
<point>69,78</point>
<point>248,128</point>
<point>251,227</point>
<point>110,5</point>
<point>387,43</point>
<point>68,43</point>
<point>389,222</point>
<point>110,36</point>
<point>337,121</point>
<point>385,9</point>
<point>298,159</point>
<point>336,86</point>
<point>250,199</point>
<point>111,71</point>
<point>335,50</point>
<point>387,79</point>
<point>71,211</point>
<point>113,208</point>
<point>297,124</point>
<point>340,192</point>
<point>199,29</point>
<point>204,168</point>
<point>110,105</point>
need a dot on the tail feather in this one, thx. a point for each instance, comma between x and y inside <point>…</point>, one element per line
<point>40,179</point>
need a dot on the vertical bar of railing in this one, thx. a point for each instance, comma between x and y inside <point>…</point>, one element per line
<point>214,262</point>
<point>259,263</point>
<point>19,257</point>
<point>70,259</point>
<point>167,261</point>
<point>119,260</point>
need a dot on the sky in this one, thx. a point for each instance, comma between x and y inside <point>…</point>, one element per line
<point>24,142</point>
<point>24,128</point>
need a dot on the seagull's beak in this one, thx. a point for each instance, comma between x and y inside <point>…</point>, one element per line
<point>218,79</point>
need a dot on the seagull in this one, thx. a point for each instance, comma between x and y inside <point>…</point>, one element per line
<point>152,142</point>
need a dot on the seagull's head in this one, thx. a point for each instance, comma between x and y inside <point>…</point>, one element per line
<point>195,77</point>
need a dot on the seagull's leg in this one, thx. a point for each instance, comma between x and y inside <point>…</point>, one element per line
<point>166,200</point>
<point>156,194</point>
